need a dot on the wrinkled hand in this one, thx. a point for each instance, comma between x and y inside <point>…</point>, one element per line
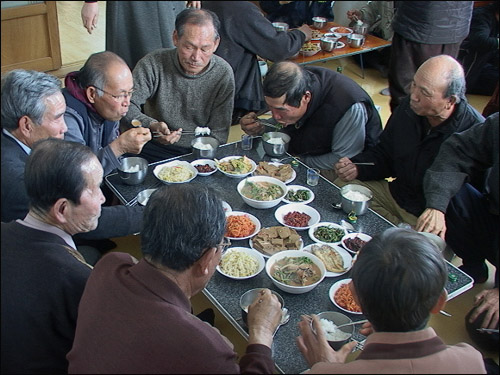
<point>193,4</point>
<point>307,31</point>
<point>432,221</point>
<point>264,315</point>
<point>315,347</point>
<point>90,15</point>
<point>131,141</point>
<point>163,133</point>
<point>346,170</point>
<point>487,300</point>
<point>354,14</point>
<point>251,125</point>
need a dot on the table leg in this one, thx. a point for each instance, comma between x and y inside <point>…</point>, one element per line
<point>362,67</point>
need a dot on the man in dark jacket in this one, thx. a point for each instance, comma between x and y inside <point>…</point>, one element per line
<point>423,29</point>
<point>435,109</point>
<point>296,13</point>
<point>327,114</point>
<point>245,34</point>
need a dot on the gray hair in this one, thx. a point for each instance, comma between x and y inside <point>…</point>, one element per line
<point>196,17</point>
<point>94,71</point>
<point>24,93</point>
<point>287,78</point>
<point>456,83</point>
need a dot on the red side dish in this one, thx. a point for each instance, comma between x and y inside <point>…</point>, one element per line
<point>296,219</point>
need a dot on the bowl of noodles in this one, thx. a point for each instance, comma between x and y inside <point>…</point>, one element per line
<point>175,172</point>
<point>241,225</point>
<point>236,166</point>
<point>295,271</point>
<point>262,191</point>
<point>241,263</point>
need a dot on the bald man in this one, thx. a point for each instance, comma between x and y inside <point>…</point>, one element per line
<point>97,97</point>
<point>435,109</point>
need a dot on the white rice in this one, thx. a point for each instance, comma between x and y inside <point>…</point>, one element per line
<point>203,146</point>
<point>356,196</point>
<point>133,169</point>
<point>276,141</point>
<point>331,331</point>
<point>202,130</point>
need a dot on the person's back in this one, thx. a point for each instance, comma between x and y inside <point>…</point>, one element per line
<point>398,280</point>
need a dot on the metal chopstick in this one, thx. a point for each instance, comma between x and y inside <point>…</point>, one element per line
<point>487,330</point>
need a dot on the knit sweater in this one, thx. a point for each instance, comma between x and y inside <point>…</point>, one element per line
<point>181,100</point>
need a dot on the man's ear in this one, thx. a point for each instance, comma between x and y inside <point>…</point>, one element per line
<point>307,97</point>
<point>91,93</point>
<point>440,302</point>
<point>203,264</point>
<point>175,38</point>
<point>60,210</point>
<point>353,292</point>
<point>25,126</point>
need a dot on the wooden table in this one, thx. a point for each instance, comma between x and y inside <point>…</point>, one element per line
<point>372,43</point>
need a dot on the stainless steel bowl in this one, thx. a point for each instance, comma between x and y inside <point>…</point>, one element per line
<point>361,29</point>
<point>359,207</point>
<point>272,149</point>
<point>133,163</point>
<point>355,40</point>
<point>338,319</point>
<point>280,26</point>
<point>249,296</point>
<point>319,22</point>
<point>327,44</point>
<point>198,145</point>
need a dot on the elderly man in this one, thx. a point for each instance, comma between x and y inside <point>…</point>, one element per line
<point>97,97</point>
<point>167,338</point>
<point>466,217</point>
<point>327,114</point>
<point>43,275</point>
<point>397,291</point>
<point>33,108</point>
<point>183,88</point>
<point>435,109</point>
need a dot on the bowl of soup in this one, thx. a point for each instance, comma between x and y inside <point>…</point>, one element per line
<point>295,271</point>
<point>262,191</point>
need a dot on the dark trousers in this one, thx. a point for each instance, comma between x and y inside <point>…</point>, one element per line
<point>472,231</point>
<point>406,58</point>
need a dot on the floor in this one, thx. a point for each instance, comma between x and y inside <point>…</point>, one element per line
<point>77,45</point>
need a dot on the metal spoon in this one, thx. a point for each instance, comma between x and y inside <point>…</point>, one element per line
<point>285,317</point>
<point>347,225</point>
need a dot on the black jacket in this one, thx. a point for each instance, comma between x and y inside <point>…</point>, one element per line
<point>297,13</point>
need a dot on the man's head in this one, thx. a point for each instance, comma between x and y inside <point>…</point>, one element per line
<point>183,226</point>
<point>287,92</point>
<point>399,279</point>
<point>108,84</point>
<point>437,86</point>
<point>196,37</point>
<point>63,182</point>
<point>32,106</point>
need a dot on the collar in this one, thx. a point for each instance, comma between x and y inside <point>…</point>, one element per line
<point>402,345</point>
<point>75,90</point>
<point>21,144</point>
<point>32,222</point>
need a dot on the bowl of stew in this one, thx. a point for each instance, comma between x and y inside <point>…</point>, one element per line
<point>262,191</point>
<point>295,271</point>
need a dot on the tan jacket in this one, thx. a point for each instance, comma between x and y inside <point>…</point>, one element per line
<point>379,15</point>
<point>420,352</point>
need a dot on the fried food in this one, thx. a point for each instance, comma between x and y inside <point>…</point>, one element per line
<point>275,239</point>
<point>330,257</point>
<point>281,172</point>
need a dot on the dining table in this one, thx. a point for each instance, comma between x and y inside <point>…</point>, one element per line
<point>224,293</point>
<point>371,43</point>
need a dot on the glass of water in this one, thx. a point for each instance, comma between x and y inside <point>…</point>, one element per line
<point>312,176</point>
<point>246,142</point>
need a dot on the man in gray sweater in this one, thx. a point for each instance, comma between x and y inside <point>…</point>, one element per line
<point>183,88</point>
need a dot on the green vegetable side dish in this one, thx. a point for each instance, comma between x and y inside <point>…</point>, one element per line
<point>328,234</point>
<point>235,166</point>
<point>298,195</point>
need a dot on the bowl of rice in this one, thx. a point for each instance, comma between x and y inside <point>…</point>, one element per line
<point>355,198</point>
<point>205,147</point>
<point>275,143</point>
<point>240,263</point>
<point>133,170</point>
<point>175,172</point>
<point>337,337</point>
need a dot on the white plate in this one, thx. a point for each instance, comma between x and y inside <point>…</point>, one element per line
<point>251,252</point>
<point>330,225</point>
<point>276,164</point>
<point>334,289</point>
<point>339,45</point>
<point>175,163</point>
<point>361,236</point>
<point>298,187</point>
<point>143,196</point>
<point>234,175</point>
<point>210,162</point>
<point>251,217</point>
<point>334,30</point>
<point>250,242</point>
<point>226,206</point>
<point>343,253</point>
<point>299,207</point>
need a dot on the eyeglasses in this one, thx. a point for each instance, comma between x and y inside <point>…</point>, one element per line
<point>117,98</point>
<point>223,246</point>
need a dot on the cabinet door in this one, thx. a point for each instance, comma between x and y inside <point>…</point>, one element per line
<point>30,37</point>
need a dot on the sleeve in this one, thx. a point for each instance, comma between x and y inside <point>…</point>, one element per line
<point>480,34</point>
<point>459,156</point>
<point>257,360</point>
<point>348,138</point>
<point>369,13</point>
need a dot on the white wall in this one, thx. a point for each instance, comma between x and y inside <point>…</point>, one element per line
<point>340,9</point>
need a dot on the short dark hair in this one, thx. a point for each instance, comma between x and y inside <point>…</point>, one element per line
<point>53,171</point>
<point>24,93</point>
<point>196,17</point>
<point>398,277</point>
<point>180,222</point>
<point>94,71</point>
<point>287,78</point>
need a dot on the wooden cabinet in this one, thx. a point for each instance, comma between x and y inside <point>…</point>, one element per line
<point>30,37</point>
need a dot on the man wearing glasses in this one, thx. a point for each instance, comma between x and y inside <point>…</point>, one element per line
<point>97,97</point>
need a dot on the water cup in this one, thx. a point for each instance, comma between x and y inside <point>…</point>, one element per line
<point>312,176</point>
<point>246,142</point>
